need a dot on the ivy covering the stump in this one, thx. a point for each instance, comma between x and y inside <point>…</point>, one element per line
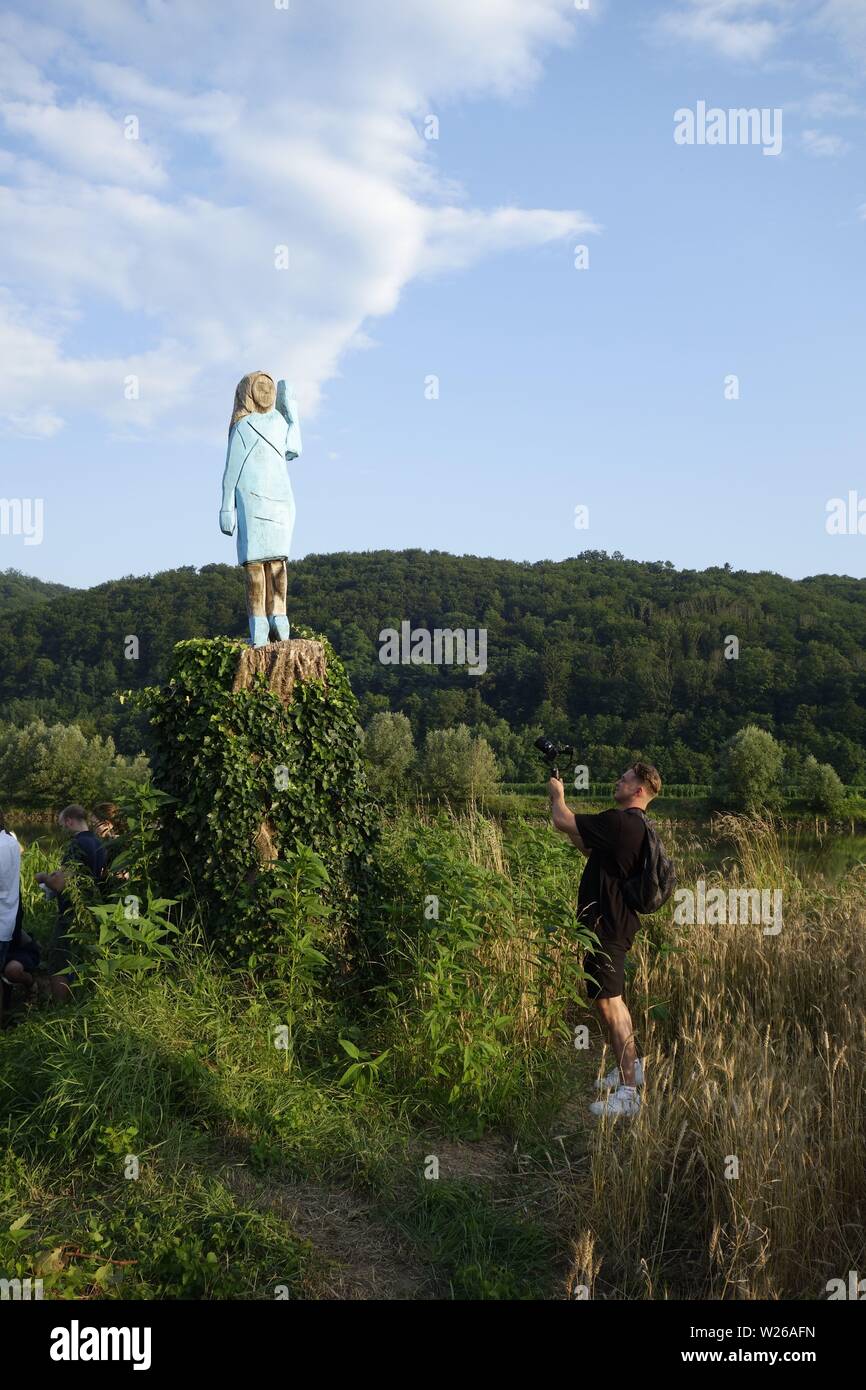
<point>253,779</point>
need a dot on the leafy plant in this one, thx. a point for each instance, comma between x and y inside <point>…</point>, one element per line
<point>129,942</point>
<point>363,1068</point>
<point>292,897</point>
<point>141,807</point>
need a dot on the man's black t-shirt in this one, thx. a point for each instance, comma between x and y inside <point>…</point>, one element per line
<point>615,840</point>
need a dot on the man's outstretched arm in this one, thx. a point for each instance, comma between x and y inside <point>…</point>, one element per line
<point>562,818</point>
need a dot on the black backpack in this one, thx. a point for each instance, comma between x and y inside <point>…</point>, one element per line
<point>650,886</point>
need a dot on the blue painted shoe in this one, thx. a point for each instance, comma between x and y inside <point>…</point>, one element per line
<point>259,632</point>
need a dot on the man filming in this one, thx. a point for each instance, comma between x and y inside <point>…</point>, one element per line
<point>613,842</point>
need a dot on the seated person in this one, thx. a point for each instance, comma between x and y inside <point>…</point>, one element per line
<point>86,850</point>
<point>10,891</point>
<point>109,826</point>
<point>22,959</point>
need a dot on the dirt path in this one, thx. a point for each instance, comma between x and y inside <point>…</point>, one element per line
<point>361,1257</point>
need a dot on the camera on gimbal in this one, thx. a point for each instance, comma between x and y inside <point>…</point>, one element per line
<point>551,753</point>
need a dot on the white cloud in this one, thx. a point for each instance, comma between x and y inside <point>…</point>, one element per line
<point>458,238</point>
<point>752,30</point>
<point>40,379</point>
<point>824,146</point>
<point>36,424</point>
<point>207,113</point>
<point>739,29</point>
<point>847,20</point>
<point>84,139</point>
<point>22,80</point>
<point>299,128</point>
<point>839,105</point>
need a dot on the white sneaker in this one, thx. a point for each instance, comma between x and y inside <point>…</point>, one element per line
<point>614,1078</point>
<point>623,1101</point>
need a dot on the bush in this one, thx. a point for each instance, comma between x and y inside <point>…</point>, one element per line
<point>514,749</point>
<point>749,771</point>
<point>822,788</point>
<point>458,765</point>
<point>389,751</point>
<point>58,764</point>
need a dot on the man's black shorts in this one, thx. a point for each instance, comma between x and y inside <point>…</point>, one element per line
<point>606,963</point>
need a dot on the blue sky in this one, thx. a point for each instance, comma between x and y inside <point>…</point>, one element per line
<point>153,258</point>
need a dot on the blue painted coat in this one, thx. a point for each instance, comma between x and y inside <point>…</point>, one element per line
<point>257,492</point>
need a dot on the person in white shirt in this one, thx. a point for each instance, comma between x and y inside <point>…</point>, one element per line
<point>10,890</point>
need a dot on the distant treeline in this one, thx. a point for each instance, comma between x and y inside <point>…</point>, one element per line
<point>616,656</point>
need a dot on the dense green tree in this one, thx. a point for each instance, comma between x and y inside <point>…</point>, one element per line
<point>389,751</point>
<point>457,764</point>
<point>749,771</point>
<point>57,764</point>
<point>516,756</point>
<point>822,788</point>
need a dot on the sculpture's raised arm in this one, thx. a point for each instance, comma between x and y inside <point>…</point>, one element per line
<point>288,408</point>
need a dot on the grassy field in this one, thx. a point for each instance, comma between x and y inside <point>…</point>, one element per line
<point>417,1128</point>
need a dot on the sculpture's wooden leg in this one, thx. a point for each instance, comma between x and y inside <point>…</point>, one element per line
<point>277,583</point>
<point>256,588</point>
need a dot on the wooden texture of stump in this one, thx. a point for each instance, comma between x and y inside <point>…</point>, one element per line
<point>282,663</point>
<point>266,849</point>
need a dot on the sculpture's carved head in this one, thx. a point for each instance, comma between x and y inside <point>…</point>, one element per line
<point>255,392</point>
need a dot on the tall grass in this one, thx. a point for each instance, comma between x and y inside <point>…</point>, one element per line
<point>479,946</point>
<point>744,1174</point>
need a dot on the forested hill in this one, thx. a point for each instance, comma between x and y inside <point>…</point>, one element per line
<point>17,588</point>
<point>620,656</point>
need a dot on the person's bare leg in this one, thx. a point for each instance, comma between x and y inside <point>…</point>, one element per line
<point>620,1029</point>
<point>17,975</point>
